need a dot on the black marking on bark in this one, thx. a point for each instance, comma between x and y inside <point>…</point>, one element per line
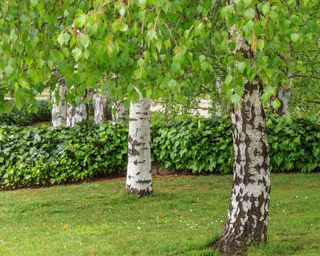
<point>140,192</point>
<point>144,181</point>
<point>246,223</point>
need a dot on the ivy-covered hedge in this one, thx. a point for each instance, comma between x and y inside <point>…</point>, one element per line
<point>197,145</point>
<point>47,156</point>
<point>39,112</point>
<point>205,146</point>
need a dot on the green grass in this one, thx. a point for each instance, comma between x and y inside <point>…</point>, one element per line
<point>182,217</point>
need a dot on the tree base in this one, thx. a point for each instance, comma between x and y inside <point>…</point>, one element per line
<point>140,192</point>
<point>227,247</point>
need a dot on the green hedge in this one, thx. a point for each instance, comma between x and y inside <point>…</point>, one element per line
<point>205,146</point>
<point>197,145</point>
<point>39,112</point>
<point>47,156</point>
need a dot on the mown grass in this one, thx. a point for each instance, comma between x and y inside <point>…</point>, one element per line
<point>182,217</point>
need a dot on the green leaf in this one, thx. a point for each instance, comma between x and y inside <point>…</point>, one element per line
<point>172,84</point>
<point>260,44</point>
<point>266,8</point>
<point>227,11</point>
<point>267,94</point>
<point>84,40</point>
<point>276,104</point>
<point>241,66</point>
<point>123,27</point>
<point>34,2</point>
<point>77,53</point>
<point>159,45</point>
<point>81,20</point>
<point>63,38</point>
<point>247,3</point>
<point>142,3</point>
<point>295,37</point>
<point>249,13</point>
<point>228,79</point>
<point>8,69</point>
<point>235,99</point>
<point>122,11</point>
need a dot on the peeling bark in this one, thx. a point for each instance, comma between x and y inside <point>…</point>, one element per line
<point>59,107</point>
<point>139,179</point>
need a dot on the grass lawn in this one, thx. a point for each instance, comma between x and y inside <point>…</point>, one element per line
<point>182,217</point>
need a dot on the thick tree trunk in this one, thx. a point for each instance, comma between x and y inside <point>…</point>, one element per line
<point>120,116</point>
<point>139,179</point>
<point>101,109</point>
<point>59,107</point>
<point>249,207</point>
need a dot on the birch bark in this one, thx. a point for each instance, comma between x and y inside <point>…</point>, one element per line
<point>249,207</point>
<point>283,94</point>
<point>59,107</point>
<point>139,179</point>
<point>120,115</point>
<point>101,109</point>
<point>77,114</point>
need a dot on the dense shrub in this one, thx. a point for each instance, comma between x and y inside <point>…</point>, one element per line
<point>294,144</point>
<point>38,112</point>
<point>47,156</point>
<point>205,146</point>
<point>199,145</point>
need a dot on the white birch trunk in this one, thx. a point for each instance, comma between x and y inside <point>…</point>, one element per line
<point>120,116</point>
<point>249,207</point>
<point>139,179</point>
<point>59,107</point>
<point>283,95</point>
<point>77,114</point>
<point>218,103</point>
<point>100,109</point>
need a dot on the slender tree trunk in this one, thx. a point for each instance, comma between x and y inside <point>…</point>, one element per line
<point>218,102</point>
<point>59,107</point>
<point>77,114</point>
<point>283,95</point>
<point>139,179</point>
<point>101,109</point>
<point>249,207</point>
<point>120,115</point>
